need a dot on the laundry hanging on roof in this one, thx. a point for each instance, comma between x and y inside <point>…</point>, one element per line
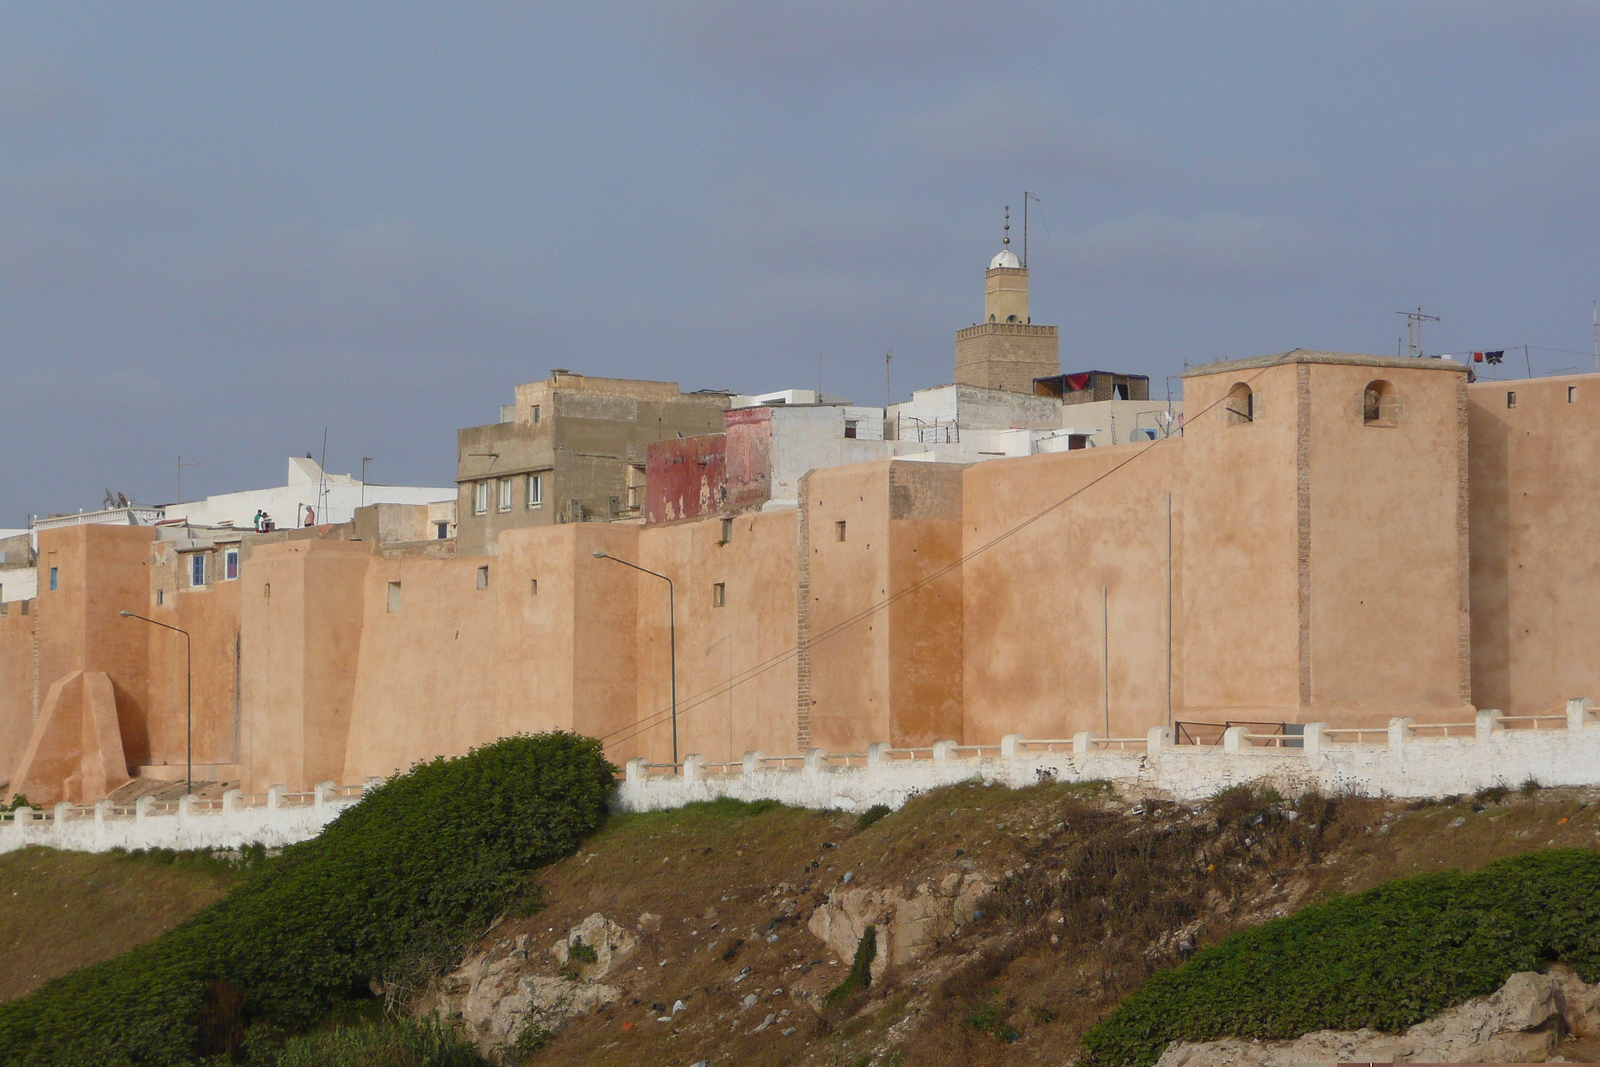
<point>1077,383</point>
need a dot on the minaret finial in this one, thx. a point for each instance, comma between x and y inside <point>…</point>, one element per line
<point>1007,240</point>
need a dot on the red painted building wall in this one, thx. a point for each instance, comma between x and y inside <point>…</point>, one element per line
<point>684,478</point>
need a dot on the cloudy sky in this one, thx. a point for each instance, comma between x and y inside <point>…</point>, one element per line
<point>223,227</point>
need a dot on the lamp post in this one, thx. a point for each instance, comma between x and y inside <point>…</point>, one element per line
<point>188,699</point>
<point>672,639</point>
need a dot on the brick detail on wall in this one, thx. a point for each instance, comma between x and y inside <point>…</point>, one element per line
<point>802,630</point>
<point>1302,462</point>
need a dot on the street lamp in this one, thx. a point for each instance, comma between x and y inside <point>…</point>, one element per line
<point>188,715</point>
<point>672,639</point>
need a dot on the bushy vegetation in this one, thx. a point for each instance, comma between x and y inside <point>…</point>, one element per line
<point>860,976</point>
<point>389,891</point>
<point>871,815</point>
<point>1387,958</point>
<point>398,1042</point>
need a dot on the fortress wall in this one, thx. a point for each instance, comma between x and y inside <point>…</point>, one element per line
<point>748,641</point>
<point>16,683</point>
<point>1535,506</point>
<point>211,616</point>
<point>1387,524</point>
<point>1033,647</point>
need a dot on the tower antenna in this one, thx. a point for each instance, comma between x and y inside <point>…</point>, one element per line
<point>1007,239</point>
<point>1414,321</point>
<point>1026,196</point>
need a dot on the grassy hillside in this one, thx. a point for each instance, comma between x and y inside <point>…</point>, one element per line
<point>62,910</point>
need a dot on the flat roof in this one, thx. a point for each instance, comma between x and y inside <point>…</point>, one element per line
<point>1303,355</point>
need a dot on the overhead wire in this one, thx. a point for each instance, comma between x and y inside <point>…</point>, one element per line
<point>660,718</point>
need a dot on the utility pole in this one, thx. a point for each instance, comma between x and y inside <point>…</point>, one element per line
<point>888,389</point>
<point>1026,196</point>
<point>181,465</point>
<point>1414,321</point>
<point>364,461</point>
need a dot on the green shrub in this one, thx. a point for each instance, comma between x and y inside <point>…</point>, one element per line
<point>581,952</point>
<point>1387,959</point>
<point>1491,794</point>
<point>860,976</point>
<point>399,1042</point>
<point>532,1038</point>
<point>871,815</point>
<point>991,1020</point>
<point>389,890</point>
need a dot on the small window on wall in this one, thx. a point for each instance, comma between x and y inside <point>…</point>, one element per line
<point>161,597</point>
<point>1572,394</point>
<point>54,574</point>
<point>480,498</point>
<point>442,529</point>
<point>534,413</point>
<point>394,598</point>
<point>197,569</point>
<point>719,594</point>
<point>533,586</point>
<point>727,531</point>
<point>483,577</point>
<point>850,427</point>
<point>1379,404</point>
<point>1511,398</point>
<point>535,490</point>
<point>505,494</point>
<point>230,564</point>
<point>1240,406</point>
<point>838,530</point>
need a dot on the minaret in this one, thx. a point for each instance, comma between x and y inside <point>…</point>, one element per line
<point>1006,351</point>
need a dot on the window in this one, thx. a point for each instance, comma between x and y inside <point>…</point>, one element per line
<point>443,530</point>
<point>533,586</point>
<point>230,564</point>
<point>505,494</point>
<point>1380,406</point>
<point>483,577</point>
<point>5,609</point>
<point>727,531</point>
<point>480,498</point>
<point>1119,391</point>
<point>394,598</point>
<point>161,597</point>
<point>719,594</point>
<point>53,583</point>
<point>850,427</point>
<point>1511,398</point>
<point>197,569</point>
<point>1572,394</point>
<point>636,484</point>
<point>838,529</point>
<point>533,413</point>
<point>1076,441</point>
<point>1240,405</point>
<point>535,490</point>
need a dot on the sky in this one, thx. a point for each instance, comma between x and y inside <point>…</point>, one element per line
<point>226,227</point>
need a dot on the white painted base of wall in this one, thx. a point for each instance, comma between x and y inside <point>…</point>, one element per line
<point>1405,765</point>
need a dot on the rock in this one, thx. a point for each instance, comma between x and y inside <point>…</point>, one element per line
<point>677,1006</point>
<point>611,943</point>
<point>1521,1022</point>
<point>748,1002</point>
<point>765,1023</point>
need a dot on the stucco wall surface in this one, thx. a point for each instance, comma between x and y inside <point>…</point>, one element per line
<point>16,684</point>
<point>1102,525</point>
<point>1535,501</point>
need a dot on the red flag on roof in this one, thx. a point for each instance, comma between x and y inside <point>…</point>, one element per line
<point>1077,383</point>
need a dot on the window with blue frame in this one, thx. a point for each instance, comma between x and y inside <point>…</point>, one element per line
<point>53,583</point>
<point>197,569</point>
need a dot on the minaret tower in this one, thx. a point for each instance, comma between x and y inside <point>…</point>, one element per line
<point>1006,351</point>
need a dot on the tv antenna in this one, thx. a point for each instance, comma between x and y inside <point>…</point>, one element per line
<point>1414,321</point>
<point>181,465</point>
<point>1026,196</point>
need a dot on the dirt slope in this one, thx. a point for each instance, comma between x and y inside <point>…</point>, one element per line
<point>1015,919</point>
<point>62,910</point>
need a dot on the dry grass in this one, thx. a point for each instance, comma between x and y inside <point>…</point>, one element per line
<point>62,910</point>
<point>1103,892</point>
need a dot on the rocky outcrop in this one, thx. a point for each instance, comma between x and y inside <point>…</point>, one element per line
<point>1521,1022</point>
<point>496,993</point>
<point>909,925</point>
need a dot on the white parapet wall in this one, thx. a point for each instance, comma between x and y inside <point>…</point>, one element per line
<point>1406,759</point>
<point>274,819</point>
